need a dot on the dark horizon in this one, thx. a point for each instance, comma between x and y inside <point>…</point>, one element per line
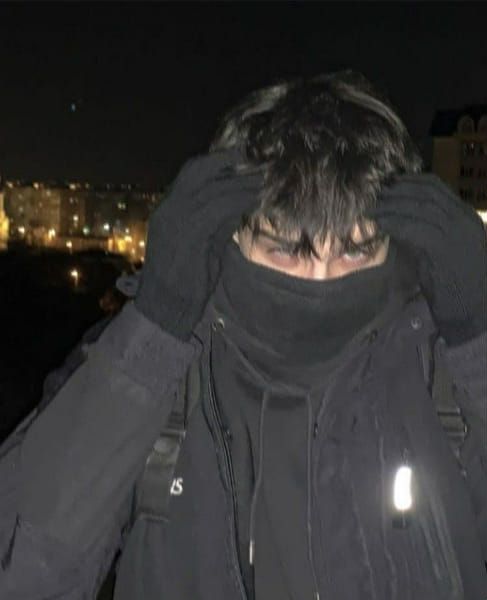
<point>127,92</point>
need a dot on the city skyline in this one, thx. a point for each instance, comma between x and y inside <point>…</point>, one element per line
<point>76,217</point>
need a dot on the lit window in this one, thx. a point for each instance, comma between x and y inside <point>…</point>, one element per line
<point>468,148</point>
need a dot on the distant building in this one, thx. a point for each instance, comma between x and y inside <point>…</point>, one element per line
<point>4,226</point>
<point>460,152</point>
<point>34,212</point>
<point>78,216</point>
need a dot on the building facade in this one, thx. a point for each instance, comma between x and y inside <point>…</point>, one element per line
<point>34,212</point>
<point>78,216</point>
<point>460,152</point>
<point>4,225</point>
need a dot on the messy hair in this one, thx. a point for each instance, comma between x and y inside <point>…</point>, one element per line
<point>326,146</point>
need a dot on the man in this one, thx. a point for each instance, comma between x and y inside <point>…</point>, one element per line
<point>318,286</point>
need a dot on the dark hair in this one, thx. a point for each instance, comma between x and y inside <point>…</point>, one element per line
<point>327,145</point>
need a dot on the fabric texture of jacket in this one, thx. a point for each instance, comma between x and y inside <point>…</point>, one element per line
<point>68,483</point>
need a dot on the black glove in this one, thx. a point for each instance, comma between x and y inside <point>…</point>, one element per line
<point>449,242</point>
<point>187,235</point>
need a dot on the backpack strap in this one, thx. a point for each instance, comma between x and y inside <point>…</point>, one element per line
<point>152,492</point>
<point>443,390</point>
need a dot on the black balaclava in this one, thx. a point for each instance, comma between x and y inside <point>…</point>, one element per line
<point>284,323</point>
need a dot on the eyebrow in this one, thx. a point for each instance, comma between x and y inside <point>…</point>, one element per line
<point>294,246</point>
<point>369,242</point>
<point>283,242</point>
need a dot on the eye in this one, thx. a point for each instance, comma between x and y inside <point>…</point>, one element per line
<point>355,256</point>
<point>283,257</point>
<point>360,254</point>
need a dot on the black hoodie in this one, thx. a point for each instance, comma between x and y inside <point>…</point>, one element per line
<point>282,340</point>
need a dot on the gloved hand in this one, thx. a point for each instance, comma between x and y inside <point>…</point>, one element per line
<point>449,242</point>
<point>187,235</point>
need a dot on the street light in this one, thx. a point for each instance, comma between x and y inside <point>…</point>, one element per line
<point>75,276</point>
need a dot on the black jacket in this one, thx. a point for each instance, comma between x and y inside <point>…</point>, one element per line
<point>67,487</point>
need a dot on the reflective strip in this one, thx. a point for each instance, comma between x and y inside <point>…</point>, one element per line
<point>403,499</point>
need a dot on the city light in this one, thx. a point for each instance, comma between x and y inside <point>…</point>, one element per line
<point>67,217</point>
<point>483,215</point>
<point>75,276</point>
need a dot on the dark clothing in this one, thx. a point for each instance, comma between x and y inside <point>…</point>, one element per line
<point>66,496</point>
<point>290,323</point>
<point>282,342</point>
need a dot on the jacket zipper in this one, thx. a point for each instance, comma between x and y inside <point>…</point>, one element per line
<point>231,480</point>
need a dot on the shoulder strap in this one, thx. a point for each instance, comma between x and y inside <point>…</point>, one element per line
<point>153,489</point>
<point>442,390</point>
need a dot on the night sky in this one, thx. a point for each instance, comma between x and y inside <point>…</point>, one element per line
<point>127,92</point>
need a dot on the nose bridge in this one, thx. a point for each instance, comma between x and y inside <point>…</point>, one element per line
<point>322,262</point>
<point>320,268</point>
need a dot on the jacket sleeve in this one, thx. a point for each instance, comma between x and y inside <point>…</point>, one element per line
<point>468,366</point>
<point>67,486</point>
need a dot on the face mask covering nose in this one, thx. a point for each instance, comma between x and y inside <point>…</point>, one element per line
<point>300,320</point>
